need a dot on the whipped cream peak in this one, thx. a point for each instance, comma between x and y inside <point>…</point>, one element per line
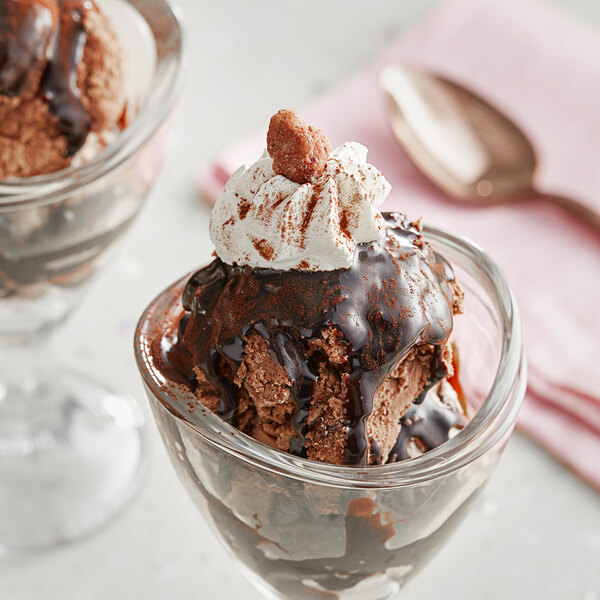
<point>265,220</point>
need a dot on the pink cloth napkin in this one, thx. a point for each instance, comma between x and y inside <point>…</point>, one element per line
<point>542,69</point>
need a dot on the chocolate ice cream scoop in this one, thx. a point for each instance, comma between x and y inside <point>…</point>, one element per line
<point>319,361</point>
<point>61,78</point>
<point>322,364</point>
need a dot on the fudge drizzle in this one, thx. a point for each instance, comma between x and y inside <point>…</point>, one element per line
<point>47,35</point>
<point>396,295</point>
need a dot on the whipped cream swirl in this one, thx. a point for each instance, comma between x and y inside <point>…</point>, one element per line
<point>264,220</point>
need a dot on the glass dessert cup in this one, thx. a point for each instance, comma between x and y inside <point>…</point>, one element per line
<point>71,450</point>
<point>302,529</point>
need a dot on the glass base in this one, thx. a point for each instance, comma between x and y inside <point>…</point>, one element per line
<point>71,456</point>
<point>382,588</point>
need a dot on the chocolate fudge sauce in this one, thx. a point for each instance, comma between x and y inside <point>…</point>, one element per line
<point>366,552</point>
<point>395,295</point>
<point>366,526</point>
<point>46,35</point>
<point>429,422</point>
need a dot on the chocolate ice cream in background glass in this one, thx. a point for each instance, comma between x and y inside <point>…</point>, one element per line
<point>303,381</point>
<point>86,90</point>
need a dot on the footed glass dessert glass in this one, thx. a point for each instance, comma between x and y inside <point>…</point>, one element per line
<point>302,529</point>
<point>72,450</point>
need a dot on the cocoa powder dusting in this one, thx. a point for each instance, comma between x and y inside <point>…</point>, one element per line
<point>243,208</point>
<point>263,248</point>
<point>310,209</point>
<point>345,224</point>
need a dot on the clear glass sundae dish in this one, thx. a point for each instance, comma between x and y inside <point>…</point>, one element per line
<point>305,381</point>
<point>71,449</point>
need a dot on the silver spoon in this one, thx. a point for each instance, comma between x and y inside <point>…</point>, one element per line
<point>463,144</point>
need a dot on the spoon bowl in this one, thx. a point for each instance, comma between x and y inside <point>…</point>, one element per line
<point>461,142</point>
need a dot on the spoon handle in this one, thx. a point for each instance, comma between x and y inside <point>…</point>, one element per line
<point>591,216</point>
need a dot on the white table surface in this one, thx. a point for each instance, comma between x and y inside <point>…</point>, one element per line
<point>536,531</point>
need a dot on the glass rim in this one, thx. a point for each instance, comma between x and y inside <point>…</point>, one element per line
<point>491,423</point>
<point>154,111</point>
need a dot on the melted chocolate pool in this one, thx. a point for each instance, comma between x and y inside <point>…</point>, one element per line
<point>395,295</point>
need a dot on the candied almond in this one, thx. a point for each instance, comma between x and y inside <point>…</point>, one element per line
<point>299,151</point>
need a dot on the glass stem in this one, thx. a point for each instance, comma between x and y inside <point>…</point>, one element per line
<point>29,411</point>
